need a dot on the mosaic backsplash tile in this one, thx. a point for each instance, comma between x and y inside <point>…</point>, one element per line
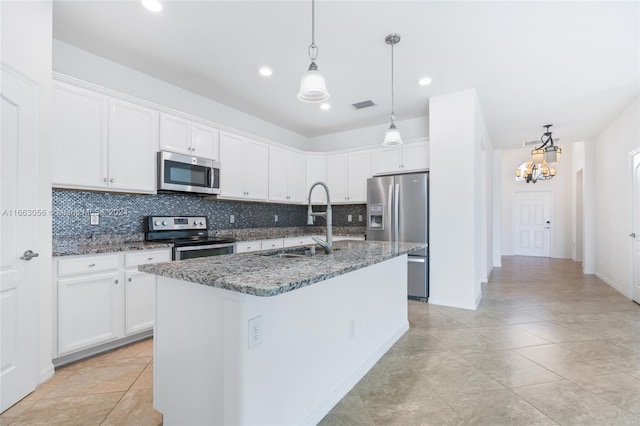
<point>124,213</point>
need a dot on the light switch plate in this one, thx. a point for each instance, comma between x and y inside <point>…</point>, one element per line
<point>232,218</point>
<point>95,218</point>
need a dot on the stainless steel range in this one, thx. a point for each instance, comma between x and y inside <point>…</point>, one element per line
<point>189,236</point>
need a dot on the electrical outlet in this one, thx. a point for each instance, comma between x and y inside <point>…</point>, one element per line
<point>95,218</point>
<point>255,331</point>
<point>232,218</point>
<point>359,218</point>
<point>349,218</point>
<point>276,218</point>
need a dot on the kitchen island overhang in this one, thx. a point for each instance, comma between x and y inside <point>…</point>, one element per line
<point>316,340</point>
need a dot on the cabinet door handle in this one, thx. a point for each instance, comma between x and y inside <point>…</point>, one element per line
<point>106,180</point>
<point>129,279</point>
<point>111,180</point>
<point>116,281</point>
<point>151,258</point>
<point>91,265</point>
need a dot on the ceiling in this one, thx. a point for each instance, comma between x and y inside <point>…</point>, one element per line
<point>573,64</point>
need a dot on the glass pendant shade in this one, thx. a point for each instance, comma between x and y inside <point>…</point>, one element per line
<point>392,136</point>
<point>552,154</point>
<point>312,86</point>
<point>537,155</point>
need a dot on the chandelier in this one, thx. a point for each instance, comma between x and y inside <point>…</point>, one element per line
<point>538,168</point>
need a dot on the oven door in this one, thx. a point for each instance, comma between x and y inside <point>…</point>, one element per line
<point>177,172</point>
<point>192,252</point>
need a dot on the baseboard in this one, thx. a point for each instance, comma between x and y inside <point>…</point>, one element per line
<point>609,281</point>
<point>105,347</point>
<point>478,299</point>
<point>46,373</point>
<point>335,397</point>
<point>451,304</point>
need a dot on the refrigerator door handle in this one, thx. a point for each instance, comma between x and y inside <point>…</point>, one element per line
<point>389,210</point>
<point>396,199</point>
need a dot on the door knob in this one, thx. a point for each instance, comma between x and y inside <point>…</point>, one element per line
<point>28,255</point>
<point>632,235</point>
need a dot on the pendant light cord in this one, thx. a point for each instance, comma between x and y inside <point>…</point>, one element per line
<point>392,88</point>
<point>313,49</point>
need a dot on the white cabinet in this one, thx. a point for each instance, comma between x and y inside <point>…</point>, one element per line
<point>286,176</point>
<point>102,298</point>
<point>79,137</point>
<point>244,168</point>
<point>102,143</point>
<point>248,246</point>
<point>404,158</point>
<point>89,303</point>
<point>140,289</point>
<point>187,137</point>
<point>132,147</point>
<point>298,241</point>
<point>316,171</point>
<point>347,176</point>
<point>271,244</point>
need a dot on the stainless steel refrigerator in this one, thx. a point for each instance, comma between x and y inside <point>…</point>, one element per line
<point>398,210</point>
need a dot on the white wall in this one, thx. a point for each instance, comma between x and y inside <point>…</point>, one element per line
<point>83,65</point>
<point>496,172</point>
<point>577,211</point>
<point>613,198</point>
<point>561,200</point>
<point>26,47</point>
<point>456,134</point>
<point>414,128</point>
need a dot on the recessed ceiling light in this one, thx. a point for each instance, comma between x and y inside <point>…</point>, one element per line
<point>152,5</point>
<point>325,105</point>
<point>424,81</point>
<point>265,71</point>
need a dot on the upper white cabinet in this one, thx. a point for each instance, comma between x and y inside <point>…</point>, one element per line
<point>403,158</point>
<point>286,175</point>
<point>187,137</point>
<point>102,143</point>
<point>347,176</point>
<point>133,143</point>
<point>244,168</point>
<point>79,137</point>
<point>316,171</point>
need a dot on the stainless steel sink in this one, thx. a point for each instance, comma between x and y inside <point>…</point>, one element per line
<point>296,252</point>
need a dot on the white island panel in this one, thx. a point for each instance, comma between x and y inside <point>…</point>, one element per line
<point>317,342</point>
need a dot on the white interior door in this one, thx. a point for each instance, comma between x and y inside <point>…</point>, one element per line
<point>532,224</point>
<point>635,232</point>
<point>18,224</point>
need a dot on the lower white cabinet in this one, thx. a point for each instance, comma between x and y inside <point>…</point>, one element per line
<point>102,298</point>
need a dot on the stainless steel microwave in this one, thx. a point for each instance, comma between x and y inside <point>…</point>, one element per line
<point>184,173</point>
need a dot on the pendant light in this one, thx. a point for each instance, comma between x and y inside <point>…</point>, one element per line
<point>392,135</point>
<point>313,88</point>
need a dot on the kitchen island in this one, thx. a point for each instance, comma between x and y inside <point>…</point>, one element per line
<point>258,338</point>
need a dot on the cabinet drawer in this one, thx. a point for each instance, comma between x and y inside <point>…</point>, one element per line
<point>272,244</point>
<point>132,260</point>
<point>298,241</point>
<point>247,246</point>
<point>87,265</point>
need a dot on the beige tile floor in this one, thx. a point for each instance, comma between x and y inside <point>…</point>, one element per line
<point>110,389</point>
<point>548,345</point>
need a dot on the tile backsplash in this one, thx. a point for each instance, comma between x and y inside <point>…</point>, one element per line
<point>124,213</point>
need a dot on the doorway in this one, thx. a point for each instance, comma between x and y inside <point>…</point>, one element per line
<point>635,225</point>
<point>19,230</point>
<point>579,230</point>
<point>532,224</point>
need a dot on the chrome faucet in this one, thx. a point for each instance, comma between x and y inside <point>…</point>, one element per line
<point>326,245</point>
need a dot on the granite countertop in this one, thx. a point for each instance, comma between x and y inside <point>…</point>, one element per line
<point>80,249</point>
<point>112,243</point>
<point>260,274</point>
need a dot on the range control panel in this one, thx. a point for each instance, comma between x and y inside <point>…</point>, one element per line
<point>173,223</point>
